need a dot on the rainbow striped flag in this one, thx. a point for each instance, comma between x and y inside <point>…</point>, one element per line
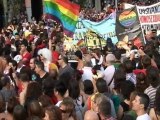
<point>63,11</point>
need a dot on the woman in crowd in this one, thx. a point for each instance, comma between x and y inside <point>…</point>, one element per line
<point>34,91</point>
<point>141,84</point>
<point>35,109</point>
<point>67,108</point>
<point>52,113</point>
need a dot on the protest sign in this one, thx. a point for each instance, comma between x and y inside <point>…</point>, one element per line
<point>80,31</point>
<point>104,28</point>
<point>84,34</point>
<point>149,16</point>
<point>128,26</point>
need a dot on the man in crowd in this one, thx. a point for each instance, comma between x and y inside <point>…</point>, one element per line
<point>140,105</point>
<point>39,69</point>
<point>64,66</point>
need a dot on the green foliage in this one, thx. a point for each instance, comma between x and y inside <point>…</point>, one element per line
<point>82,2</point>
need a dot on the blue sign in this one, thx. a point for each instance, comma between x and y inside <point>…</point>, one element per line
<point>105,28</point>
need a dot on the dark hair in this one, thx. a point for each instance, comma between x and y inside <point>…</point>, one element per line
<point>40,65</point>
<point>23,77</point>
<point>78,53</point>
<point>157,102</point>
<point>88,87</point>
<point>119,76</point>
<point>71,84</point>
<point>141,83</point>
<point>74,89</point>
<point>24,42</point>
<point>28,71</point>
<point>60,88</point>
<point>77,75</point>
<point>146,61</point>
<point>4,81</point>
<point>7,58</point>
<point>127,87</point>
<point>153,76</point>
<point>14,63</point>
<point>128,66</point>
<point>11,104</point>
<point>35,109</point>
<point>65,59</point>
<point>19,113</point>
<point>101,85</point>
<point>105,108</point>
<point>45,101</point>
<point>7,49</point>
<point>65,78</point>
<point>117,54</point>
<point>144,99</point>
<point>34,91</point>
<point>48,86</point>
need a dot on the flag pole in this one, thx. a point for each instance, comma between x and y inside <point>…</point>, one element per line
<point>116,5</point>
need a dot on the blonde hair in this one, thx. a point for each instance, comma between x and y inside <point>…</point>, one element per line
<point>99,97</point>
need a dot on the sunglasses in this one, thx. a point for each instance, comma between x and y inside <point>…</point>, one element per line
<point>129,44</point>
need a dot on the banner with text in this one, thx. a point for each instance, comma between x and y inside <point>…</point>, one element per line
<point>128,26</point>
<point>104,28</point>
<point>149,16</point>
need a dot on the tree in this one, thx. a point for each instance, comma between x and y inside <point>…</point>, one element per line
<point>80,2</point>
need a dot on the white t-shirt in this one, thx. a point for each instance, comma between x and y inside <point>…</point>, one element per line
<point>108,75</point>
<point>143,117</point>
<point>87,73</point>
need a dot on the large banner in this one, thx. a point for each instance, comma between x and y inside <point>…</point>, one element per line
<point>104,28</point>
<point>128,26</point>
<point>80,31</point>
<point>149,16</point>
<point>89,37</point>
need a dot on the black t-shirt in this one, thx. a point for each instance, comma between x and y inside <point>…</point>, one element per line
<point>34,76</point>
<point>125,106</point>
<point>40,80</point>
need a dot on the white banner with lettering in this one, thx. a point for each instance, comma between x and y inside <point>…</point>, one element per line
<point>149,16</point>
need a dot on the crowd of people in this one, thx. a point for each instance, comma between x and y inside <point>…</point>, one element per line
<point>39,82</point>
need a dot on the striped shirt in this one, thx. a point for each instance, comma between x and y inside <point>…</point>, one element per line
<point>131,77</point>
<point>151,92</point>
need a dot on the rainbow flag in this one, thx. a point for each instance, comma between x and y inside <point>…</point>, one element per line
<point>63,11</point>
